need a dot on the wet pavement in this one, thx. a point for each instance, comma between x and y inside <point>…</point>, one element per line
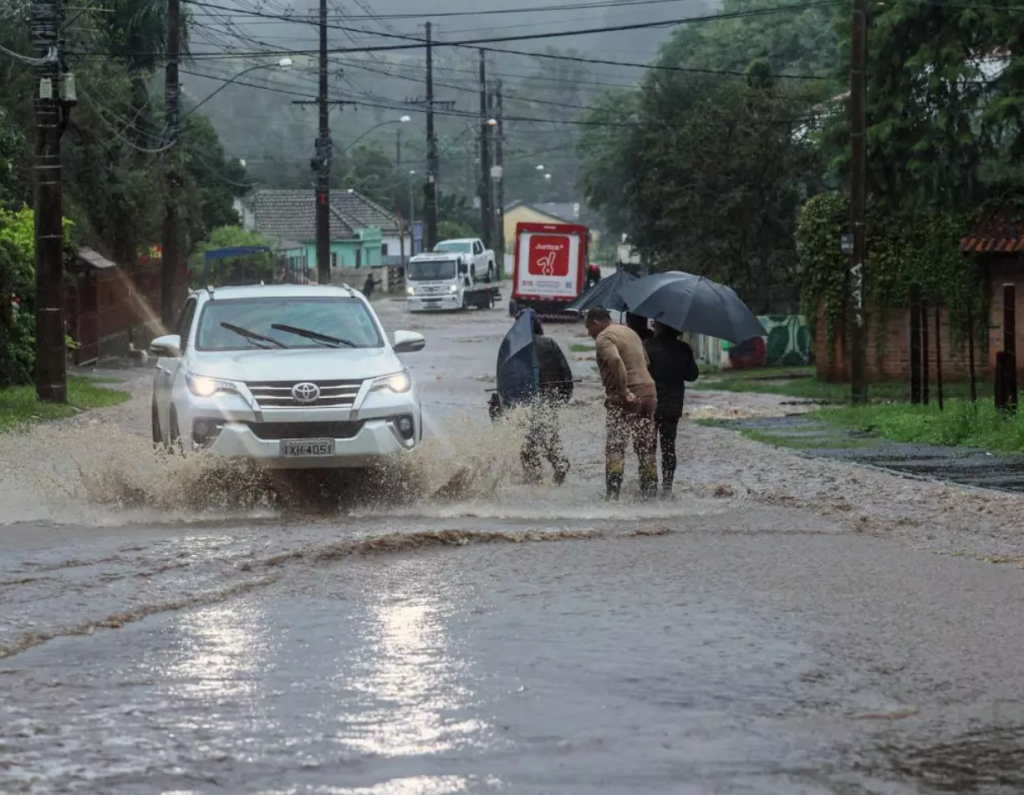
<point>961,465</point>
<point>786,625</point>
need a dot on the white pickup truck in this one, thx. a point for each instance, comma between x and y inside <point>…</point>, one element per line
<point>471,249</point>
<point>441,282</point>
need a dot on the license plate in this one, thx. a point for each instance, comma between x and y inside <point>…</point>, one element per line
<point>307,448</point>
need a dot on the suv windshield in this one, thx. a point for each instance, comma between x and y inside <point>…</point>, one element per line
<point>340,318</point>
<point>431,271</point>
<point>455,247</point>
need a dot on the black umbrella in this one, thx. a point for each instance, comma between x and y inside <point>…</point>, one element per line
<point>692,303</point>
<point>604,293</point>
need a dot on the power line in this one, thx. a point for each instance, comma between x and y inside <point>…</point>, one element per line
<point>418,43</point>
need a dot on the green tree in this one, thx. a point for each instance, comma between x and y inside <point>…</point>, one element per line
<point>249,268</point>
<point>804,41</point>
<point>707,176</point>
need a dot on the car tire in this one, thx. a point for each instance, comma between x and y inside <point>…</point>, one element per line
<point>174,444</point>
<point>513,307</point>
<point>157,436</point>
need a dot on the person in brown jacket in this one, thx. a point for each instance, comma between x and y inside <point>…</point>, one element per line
<point>631,400</point>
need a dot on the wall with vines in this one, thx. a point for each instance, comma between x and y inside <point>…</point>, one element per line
<point>903,249</point>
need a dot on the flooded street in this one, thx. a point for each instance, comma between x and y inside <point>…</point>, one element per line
<point>785,625</point>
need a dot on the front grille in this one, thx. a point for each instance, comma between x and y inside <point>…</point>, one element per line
<point>278,394</point>
<point>275,431</point>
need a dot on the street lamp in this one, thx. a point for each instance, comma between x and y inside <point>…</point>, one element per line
<point>284,63</point>
<point>540,168</point>
<point>402,120</point>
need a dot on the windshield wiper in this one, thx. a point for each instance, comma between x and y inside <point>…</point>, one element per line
<point>316,336</point>
<point>252,336</point>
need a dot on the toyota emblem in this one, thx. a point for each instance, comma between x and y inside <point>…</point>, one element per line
<point>305,392</point>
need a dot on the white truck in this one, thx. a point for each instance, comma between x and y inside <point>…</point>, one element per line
<point>480,259</point>
<point>444,282</point>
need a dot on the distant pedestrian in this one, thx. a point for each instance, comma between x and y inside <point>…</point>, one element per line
<point>639,325</point>
<point>593,275</point>
<point>368,286</point>
<point>631,400</point>
<point>672,365</point>
<point>543,440</point>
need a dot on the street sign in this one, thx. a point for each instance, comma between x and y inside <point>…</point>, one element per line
<point>846,244</point>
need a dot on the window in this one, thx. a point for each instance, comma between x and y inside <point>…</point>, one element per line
<point>185,321</point>
<point>343,318</point>
<point>334,259</point>
<point>478,247</point>
<point>432,270</point>
<point>383,249</point>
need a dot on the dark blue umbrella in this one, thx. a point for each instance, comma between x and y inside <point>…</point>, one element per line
<point>518,368</point>
<point>692,303</point>
<point>604,293</point>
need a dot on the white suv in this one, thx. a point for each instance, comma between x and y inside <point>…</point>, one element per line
<point>292,376</point>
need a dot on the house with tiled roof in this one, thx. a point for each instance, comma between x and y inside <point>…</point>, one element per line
<point>363,234</point>
<point>519,212</point>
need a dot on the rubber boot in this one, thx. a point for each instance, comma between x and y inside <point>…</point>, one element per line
<point>648,483</point>
<point>613,484</point>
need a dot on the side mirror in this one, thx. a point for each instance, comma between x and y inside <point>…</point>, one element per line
<point>409,342</point>
<point>166,347</point>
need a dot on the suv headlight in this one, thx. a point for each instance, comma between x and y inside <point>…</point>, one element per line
<point>453,289</point>
<point>410,290</point>
<point>201,386</point>
<point>397,383</point>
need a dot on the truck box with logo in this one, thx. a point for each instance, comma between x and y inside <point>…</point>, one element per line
<point>550,267</point>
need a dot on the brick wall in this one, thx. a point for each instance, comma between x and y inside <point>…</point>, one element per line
<point>888,349</point>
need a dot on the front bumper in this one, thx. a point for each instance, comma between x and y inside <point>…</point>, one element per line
<point>435,303</point>
<point>375,439</point>
<point>368,432</point>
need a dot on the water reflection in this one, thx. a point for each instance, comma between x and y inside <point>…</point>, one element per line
<point>221,652</point>
<point>411,685</point>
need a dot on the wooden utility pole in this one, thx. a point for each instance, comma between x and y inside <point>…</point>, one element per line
<point>485,157</point>
<point>430,197</point>
<point>51,354</point>
<point>323,161</point>
<point>171,255</point>
<point>858,201</point>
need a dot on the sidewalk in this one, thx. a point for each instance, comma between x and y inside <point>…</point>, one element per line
<point>813,438</point>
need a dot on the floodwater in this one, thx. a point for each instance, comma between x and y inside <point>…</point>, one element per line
<point>189,627</point>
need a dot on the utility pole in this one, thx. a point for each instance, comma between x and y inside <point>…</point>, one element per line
<point>171,255</point>
<point>430,199</point>
<point>51,356</point>
<point>321,162</point>
<point>499,162</point>
<point>858,201</point>
<point>323,157</point>
<point>485,157</point>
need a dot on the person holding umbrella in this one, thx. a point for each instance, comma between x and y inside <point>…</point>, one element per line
<point>556,387</point>
<point>631,400</point>
<point>672,364</point>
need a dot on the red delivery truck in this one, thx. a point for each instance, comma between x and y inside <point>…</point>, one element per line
<point>550,267</point>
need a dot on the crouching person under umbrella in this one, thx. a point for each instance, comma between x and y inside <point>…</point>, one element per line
<point>671,365</point>
<point>630,398</point>
<point>543,440</point>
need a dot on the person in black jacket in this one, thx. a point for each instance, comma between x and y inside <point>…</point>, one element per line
<point>671,365</point>
<point>556,385</point>
<point>639,325</point>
